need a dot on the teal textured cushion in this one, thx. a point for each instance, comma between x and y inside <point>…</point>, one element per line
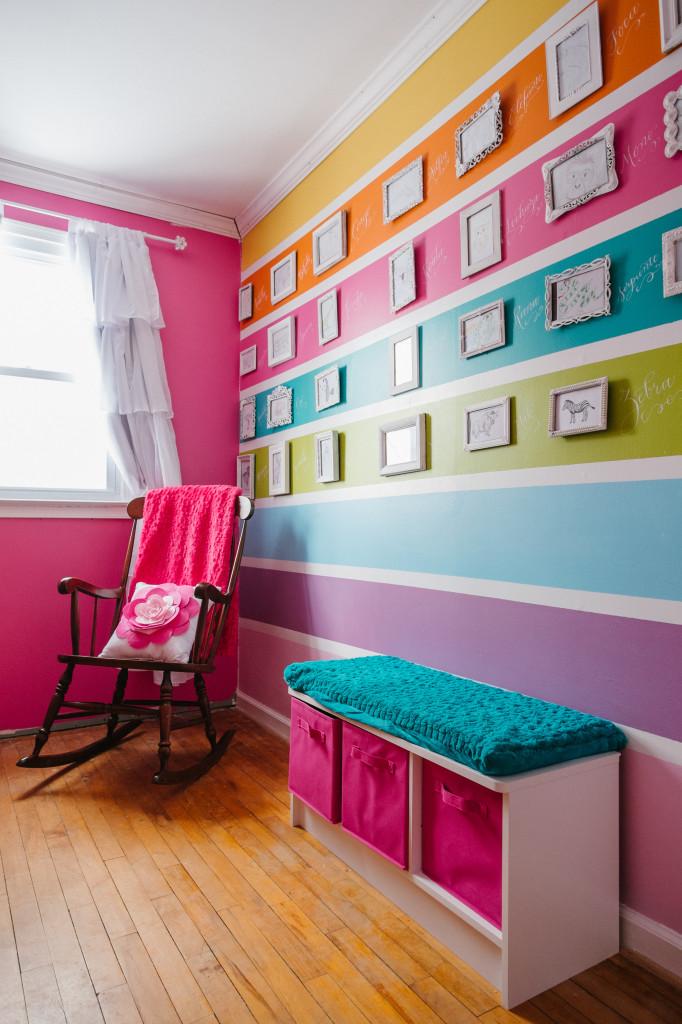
<point>495,731</point>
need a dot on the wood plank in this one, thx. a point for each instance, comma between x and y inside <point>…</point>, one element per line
<point>151,998</point>
<point>12,1005</point>
<point>97,950</point>
<point>118,1006</point>
<point>225,1000</point>
<point>608,991</point>
<point>43,1004</point>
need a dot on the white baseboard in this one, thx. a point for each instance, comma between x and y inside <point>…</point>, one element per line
<point>264,715</point>
<point>649,939</point>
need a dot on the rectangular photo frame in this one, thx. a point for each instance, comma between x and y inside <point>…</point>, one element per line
<point>330,243</point>
<point>283,278</point>
<point>403,353</point>
<point>573,57</point>
<point>245,302</point>
<point>672,119</point>
<point>582,173</point>
<point>482,329</point>
<point>327,388</point>
<point>247,418</point>
<point>578,408</point>
<point>578,294</point>
<point>480,231</point>
<point>402,445</point>
<point>671,24</point>
<point>248,360</point>
<point>279,473</point>
<point>282,341</point>
<point>479,135</point>
<point>246,468</point>
<point>487,424</point>
<point>672,262</point>
<point>280,407</point>
<point>402,277</point>
<point>328,317</point>
<point>327,457</point>
<point>403,190</point>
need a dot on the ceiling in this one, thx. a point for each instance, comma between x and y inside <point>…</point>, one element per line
<point>218,106</point>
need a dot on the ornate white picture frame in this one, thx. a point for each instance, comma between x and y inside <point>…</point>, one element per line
<point>402,277</point>
<point>328,317</point>
<point>672,262</point>
<point>245,302</point>
<point>403,351</point>
<point>579,293</point>
<point>279,474</point>
<point>403,190</point>
<point>282,341</point>
<point>672,119</point>
<point>582,173</point>
<point>329,243</point>
<point>280,407</point>
<point>479,135</point>
<point>574,65</point>
<point>246,469</point>
<point>671,24</point>
<point>487,424</point>
<point>247,418</point>
<point>402,445</point>
<point>480,231</point>
<point>327,388</point>
<point>283,278</point>
<point>248,360</point>
<point>327,457</point>
<point>578,408</point>
<point>482,329</point>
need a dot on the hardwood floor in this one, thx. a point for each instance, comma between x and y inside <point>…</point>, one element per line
<point>122,902</point>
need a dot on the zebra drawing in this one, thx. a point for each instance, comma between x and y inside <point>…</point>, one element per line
<point>575,409</point>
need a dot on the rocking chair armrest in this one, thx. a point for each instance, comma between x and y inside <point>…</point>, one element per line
<point>71,584</point>
<point>206,591</point>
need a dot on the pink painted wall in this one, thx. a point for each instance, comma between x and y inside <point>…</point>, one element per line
<point>198,289</point>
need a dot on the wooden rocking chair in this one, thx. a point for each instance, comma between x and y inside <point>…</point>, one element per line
<point>171,713</point>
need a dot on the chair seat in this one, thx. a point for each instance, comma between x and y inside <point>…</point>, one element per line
<point>137,663</point>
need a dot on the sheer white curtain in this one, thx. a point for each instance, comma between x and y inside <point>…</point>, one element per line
<point>123,301</point>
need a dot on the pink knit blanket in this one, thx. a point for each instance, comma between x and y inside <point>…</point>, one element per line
<point>186,539</point>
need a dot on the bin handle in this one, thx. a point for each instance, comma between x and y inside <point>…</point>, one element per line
<point>459,803</point>
<point>315,734</point>
<point>372,760</point>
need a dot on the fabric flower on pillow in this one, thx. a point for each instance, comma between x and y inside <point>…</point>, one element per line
<point>155,615</point>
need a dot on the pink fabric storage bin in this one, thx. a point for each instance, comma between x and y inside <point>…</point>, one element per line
<point>315,759</point>
<point>462,839</point>
<point>374,793</point>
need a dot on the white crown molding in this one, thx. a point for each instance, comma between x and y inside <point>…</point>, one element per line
<point>115,198</point>
<point>433,30</point>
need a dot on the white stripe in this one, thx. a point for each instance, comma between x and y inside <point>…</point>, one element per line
<point>655,746</point>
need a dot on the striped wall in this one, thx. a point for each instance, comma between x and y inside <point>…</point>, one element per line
<point>551,566</point>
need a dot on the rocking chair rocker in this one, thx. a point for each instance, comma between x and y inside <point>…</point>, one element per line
<point>171,713</point>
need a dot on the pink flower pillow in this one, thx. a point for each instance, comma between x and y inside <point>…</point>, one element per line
<point>159,624</point>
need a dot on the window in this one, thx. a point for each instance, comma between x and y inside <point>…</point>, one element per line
<point>53,432</point>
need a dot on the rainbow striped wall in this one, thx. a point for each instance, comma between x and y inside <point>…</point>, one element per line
<point>551,566</point>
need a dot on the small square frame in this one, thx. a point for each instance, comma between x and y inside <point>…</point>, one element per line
<point>403,190</point>
<point>402,445</point>
<point>485,248</point>
<point>402,277</point>
<point>487,424</point>
<point>671,24</point>
<point>479,135</point>
<point>482,329</point>
<point>403,352</point>
<point>672,262</point>
<point>279,475</point>
<point>327,388</point>
<point>573,56</point>
<point>574,415</point>
<point>245,302</point>
<point>246,468</point>
<point>248,360</point>
<point>283,278</point>
<point>582,173</point>
<point>247,418</point>
<point>280,407</point>
<point>330,243</point>
<point>327,457</point>
<point>328,317</point>
<point>282,341</point>
<point>672,119</point>
<point>566,298</point>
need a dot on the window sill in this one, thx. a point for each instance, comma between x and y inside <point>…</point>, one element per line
<point>41,509</point>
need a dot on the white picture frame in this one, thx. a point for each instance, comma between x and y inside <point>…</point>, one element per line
<point>247,418</point>
<point>574,64</point>
<point>246,470</point>
<point>582,173</point>
<point>403,190</point>
<point>327,388</point>
<point>283,278</point>
<point>248,360</point>
<point>672,119</point>
<point>671,24</point>
<point>327,457</point>
<point>479,135</point>
<point>480,230</point>
<point>245,302</point>
<point>672,262</point>
<point>282,341</point>
<point>482,329</point>
<point>403,360</point>
<point>487,424</point>
<point>280,407</point>
<point>328,317</point>
<point>578,293</point>
<point>330,243</point>
<point>581,413</point>
<point>402,277</point>
<point>279,473</point>
<point>402,445</point>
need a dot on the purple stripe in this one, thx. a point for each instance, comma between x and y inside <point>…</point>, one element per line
<point>626,670</point>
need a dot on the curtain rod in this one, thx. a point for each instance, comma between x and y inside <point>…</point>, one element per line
<point>179,242</point>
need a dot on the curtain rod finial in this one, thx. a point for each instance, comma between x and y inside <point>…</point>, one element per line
<point>180,243</point>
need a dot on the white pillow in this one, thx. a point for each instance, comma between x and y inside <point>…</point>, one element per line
<point>158,624</point>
